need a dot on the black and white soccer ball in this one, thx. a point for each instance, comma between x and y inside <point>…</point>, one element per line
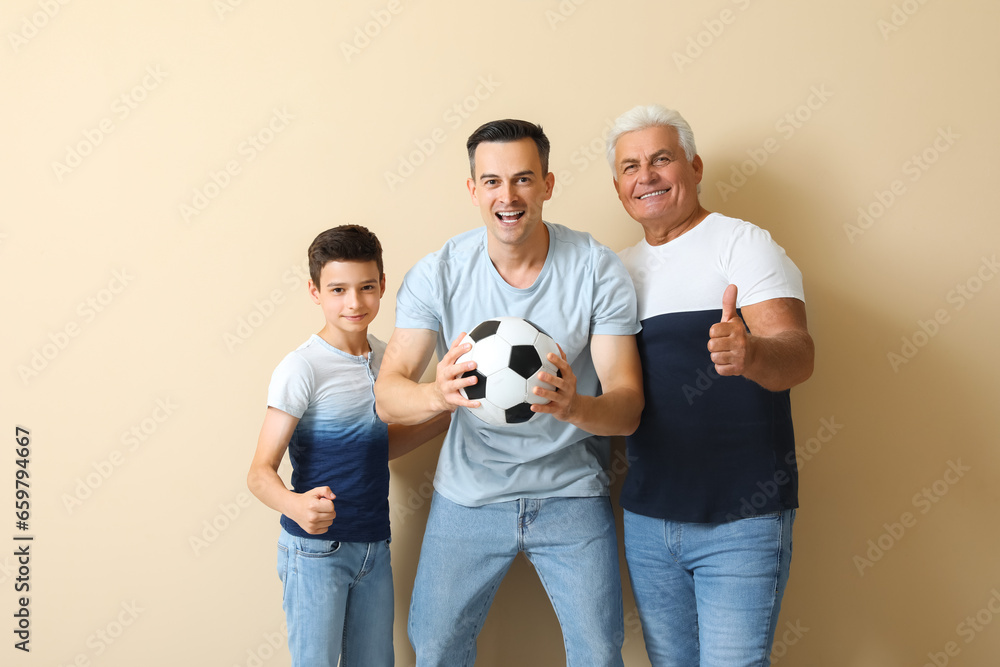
<point>509,353</point>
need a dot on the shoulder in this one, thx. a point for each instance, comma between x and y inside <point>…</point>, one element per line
<point>299,361</point>
<point>570,243</point>
<point>293,381</point>
<point>573,238</point>
<point>456,248</point>
<point>456,253</point>
<point>734,231</point>
<point>630,255</point>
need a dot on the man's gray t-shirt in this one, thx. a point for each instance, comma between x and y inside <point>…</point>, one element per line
<point>582,290</point>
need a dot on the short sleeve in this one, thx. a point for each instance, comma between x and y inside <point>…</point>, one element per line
<point>378,353</point>
<point>615,310</point>
<point>291,385</point>
<point>760,267</point>
<point>415,301</point>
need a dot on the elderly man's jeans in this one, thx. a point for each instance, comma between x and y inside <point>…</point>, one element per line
<point>709,593</point>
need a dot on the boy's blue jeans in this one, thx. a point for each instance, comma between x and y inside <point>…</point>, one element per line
<point>337,600</point>
<point>709,593</point>
<point>467,551</point>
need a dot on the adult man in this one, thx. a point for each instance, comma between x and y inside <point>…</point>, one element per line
<point>538,487</point>
<point>712,486</point>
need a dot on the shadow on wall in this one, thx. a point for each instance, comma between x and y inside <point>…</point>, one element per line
<point>894,437</point>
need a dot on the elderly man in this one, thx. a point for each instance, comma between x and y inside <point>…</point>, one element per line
<point>712,486</point>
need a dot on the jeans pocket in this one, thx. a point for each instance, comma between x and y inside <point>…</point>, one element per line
<point>317,548</point>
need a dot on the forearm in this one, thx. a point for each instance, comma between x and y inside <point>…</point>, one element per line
<point>264,482</point>
<point>400,400</point>
<point>781,361</point>
<point>404,439</point>
<point>614,413</point>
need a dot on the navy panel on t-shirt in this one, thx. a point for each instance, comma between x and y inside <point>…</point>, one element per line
<point>709,448</point>
<point>339,441</point>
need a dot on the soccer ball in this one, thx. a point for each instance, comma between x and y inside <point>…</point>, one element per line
<point>509,352</point>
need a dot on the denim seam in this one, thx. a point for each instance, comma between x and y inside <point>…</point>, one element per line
<point>366,566</point>
<point>283,574</point>
<point>480,618</point>
<point>344,660</point>
<point>766,658</point>
<point>555,608</point>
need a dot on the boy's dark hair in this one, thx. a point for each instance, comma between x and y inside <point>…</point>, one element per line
<point>346,243</point>
<point>509,129</point>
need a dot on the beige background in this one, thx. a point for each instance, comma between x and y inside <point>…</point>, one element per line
<point>152,552</point>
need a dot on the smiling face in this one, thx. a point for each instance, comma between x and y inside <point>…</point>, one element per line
<point>657,184</point>
<point>509,189</point>
<point>349,293</point>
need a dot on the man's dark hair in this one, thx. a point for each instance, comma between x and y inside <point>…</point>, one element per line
<point>346,243</point>
<point>502,131</point>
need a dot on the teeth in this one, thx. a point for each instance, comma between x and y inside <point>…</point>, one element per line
<point>650,194</point>
<point>510,214</point>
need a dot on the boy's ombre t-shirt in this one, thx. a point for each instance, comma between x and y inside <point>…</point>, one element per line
<point>339,441</point>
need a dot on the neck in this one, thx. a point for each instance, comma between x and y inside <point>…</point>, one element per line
<point>665,234</point>
<point>352,343</point>
<point>519,265</point>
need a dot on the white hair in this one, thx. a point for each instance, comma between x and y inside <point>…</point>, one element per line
<point>650,115</point>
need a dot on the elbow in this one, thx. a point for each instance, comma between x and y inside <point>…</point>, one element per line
<point>635,416</point>
<point>380,409</point>
<point>808,363</point>
<point>633,425</point>
<point>252,481</point>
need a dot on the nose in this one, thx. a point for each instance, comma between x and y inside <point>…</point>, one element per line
<point>352,298</point>
<point>507,193</point>
<point>647,174</point>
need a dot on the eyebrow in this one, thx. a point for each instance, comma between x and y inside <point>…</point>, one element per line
<point>634,160</point>
<point>342,284</point>
<point>527,172</point>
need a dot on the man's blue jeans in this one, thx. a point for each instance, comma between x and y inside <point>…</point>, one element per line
<point>709,593</point>
<point>337,601</point>
<point>466,553</point>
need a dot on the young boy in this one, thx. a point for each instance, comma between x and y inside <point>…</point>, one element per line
<point>333,559</point>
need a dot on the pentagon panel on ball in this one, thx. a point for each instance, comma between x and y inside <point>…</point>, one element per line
<point>509,353</point>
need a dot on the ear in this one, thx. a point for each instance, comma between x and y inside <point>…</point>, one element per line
<point>381,286</point>
<point>699,168</point>
<point>614,181</point>
<point>550,184</point>
<point>470,183</point>
<point>313,291</point>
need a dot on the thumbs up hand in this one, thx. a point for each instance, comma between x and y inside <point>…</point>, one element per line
<point>728,340</point>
